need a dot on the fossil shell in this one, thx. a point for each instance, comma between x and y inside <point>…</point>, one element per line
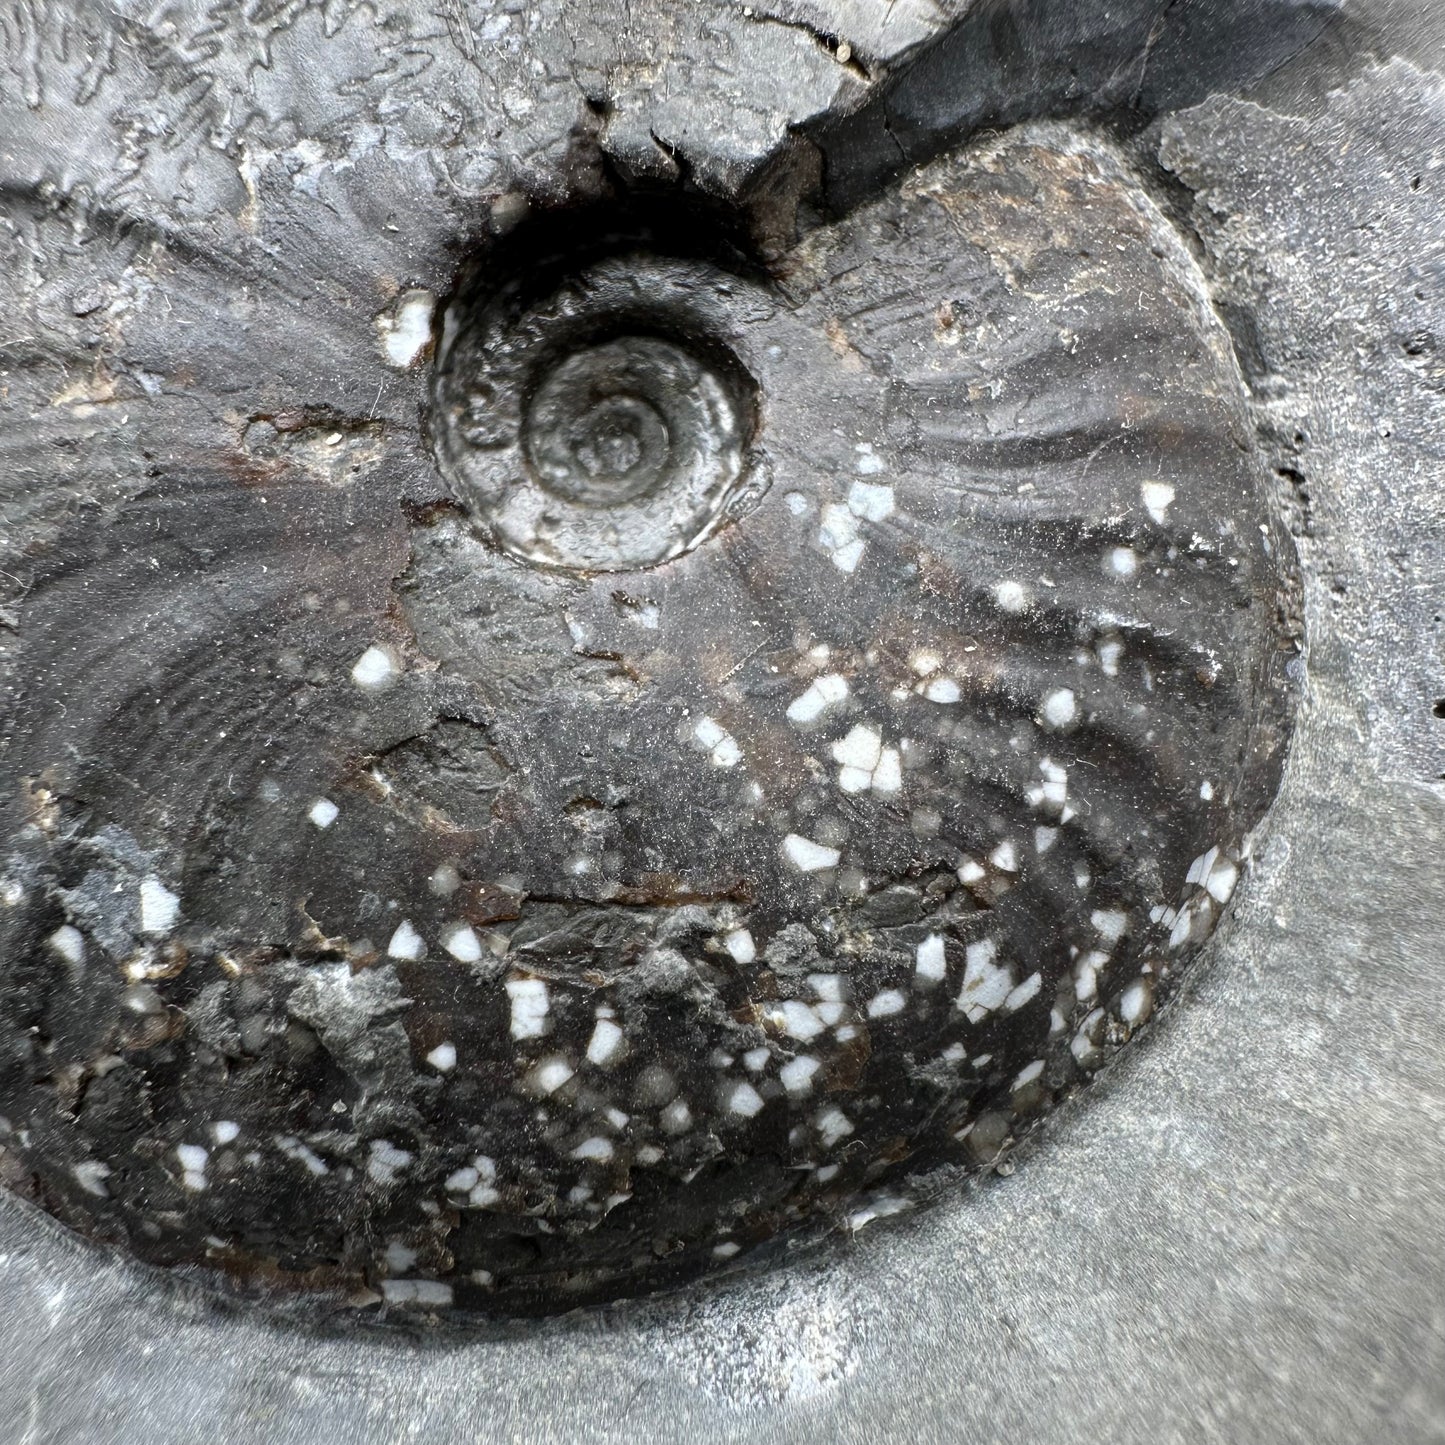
<point>722,741</point>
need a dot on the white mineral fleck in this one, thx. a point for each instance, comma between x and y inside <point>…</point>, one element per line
<point>1058,709</point>
<point>323,812</point>
<point>797,1074</point>
<point>930,962</point>
<point>744,1100</point>
<point>885,1003</point>
<point>530,1007</point>
<point>69,943</point>
<point>159,907</point>
<point>605,1043</point>
<point>462,943</point>
<point>374,669</point>
<point>406,943</point>
<point>405,330</point>
<point>807,856</point>
<point>739,943</point>
<point>1157,497</point>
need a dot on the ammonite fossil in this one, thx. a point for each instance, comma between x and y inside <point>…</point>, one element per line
<point>566,751</point>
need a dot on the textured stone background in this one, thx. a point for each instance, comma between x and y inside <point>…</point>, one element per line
<point>1238,1234</point>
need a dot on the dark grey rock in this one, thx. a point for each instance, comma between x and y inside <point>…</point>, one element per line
<point>1234,1233</point>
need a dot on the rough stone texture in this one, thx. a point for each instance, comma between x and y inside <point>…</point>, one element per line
<point>1236,1234</point>
<point>1007,60</point>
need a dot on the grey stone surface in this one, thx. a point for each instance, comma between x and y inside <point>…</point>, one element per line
<point>1236,1234</point>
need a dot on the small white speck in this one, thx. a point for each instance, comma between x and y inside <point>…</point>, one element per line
<point>142,998</point>
<point>1010,597</point>
<point>888,775</point>
<point>838,536</point>
<point>861,749</point>
<point>1222,878</point>
<point>971,871</point>
<point>1157,497</point>
<point>159,907</point>
<point>429,1292</point>
<point>551,1074</point>
<point>69,943</point>
<point>1058,709</point>
<point>596,1148</point>
<point>943,690</point>
<point>374,670</point>
<point>869,463</point>
<point>605,1043</point>
<point>399,1257</point>
<point>1121,561</point>
<point>1200,867</point>
<point>406,330</point>
<point>1206,791</point>
<point>193,1158</point>
<point>726,1250</point>
<point>727,753</point>
<point>445,881</point>
<point>1005,857</point>
<point>530,1007</point>
<point>885,1003</point>
<point>756,1060</point>
<point>708,732</point>
<point>879,1207</point>
<point>1023,993</point>
<point>800,1021</point>
<point>870,500</point>
<point>1086,975</point>
<point>1110,924</point>
<point>323,812</point>
<point>744,1100</point>
<point>797,1074</point>
<point>739,943</point>
<point>930,962</point>
<point>823,693</point>
<point>91,1175</point>
<point>443,1058</point>
<point>1136,1001</point>
<point>462,943</point>
<point>677,1117</point>
<point>807,856</point>
<point>386,1161</point>
<point>985,985</point>
<point>1028,1074</point>
<point>406,943</point>
<point>293,1148</point>
<point>833,1126</point>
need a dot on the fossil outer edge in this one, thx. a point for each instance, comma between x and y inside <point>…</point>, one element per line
<point>385,915</point>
